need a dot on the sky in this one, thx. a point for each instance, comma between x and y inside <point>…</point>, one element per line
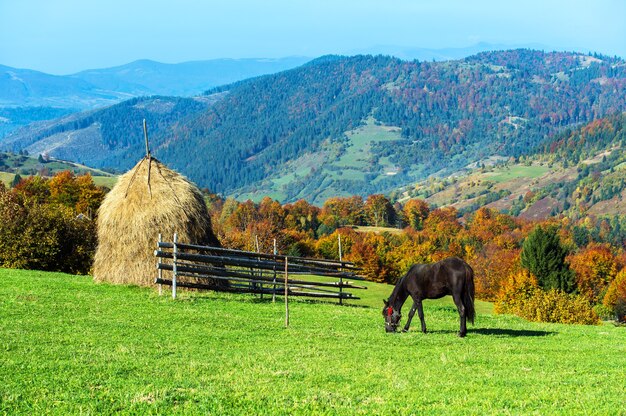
<point>67,36</point>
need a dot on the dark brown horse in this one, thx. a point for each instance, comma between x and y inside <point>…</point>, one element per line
<point>451,276</point>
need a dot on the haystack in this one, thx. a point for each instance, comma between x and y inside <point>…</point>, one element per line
<point>148,200</point>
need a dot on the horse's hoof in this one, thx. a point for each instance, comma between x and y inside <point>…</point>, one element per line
<point>405,330</point>
<point>461,334</point>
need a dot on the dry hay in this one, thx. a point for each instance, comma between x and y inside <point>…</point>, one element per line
<point>136,211</point>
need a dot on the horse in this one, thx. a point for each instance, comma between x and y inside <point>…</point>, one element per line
<point>451,276</point>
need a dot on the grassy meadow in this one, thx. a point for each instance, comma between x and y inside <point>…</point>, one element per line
<point>70,346</point>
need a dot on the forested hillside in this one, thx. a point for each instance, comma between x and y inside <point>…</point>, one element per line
<point>578,172</point>
<point>352,125</point>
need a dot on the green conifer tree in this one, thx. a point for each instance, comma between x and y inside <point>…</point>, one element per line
<point>544,256</point>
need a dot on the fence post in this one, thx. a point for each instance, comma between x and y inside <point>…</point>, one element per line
<point>340,277</point>
<point>174,266</point>
<point>274,282</point>
<point>259,271</point>
<point>286,292</point>
<point>160,272</point>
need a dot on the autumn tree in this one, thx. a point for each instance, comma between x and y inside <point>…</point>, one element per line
<point>491,267</point>
<point>90,196</point>
<point>272,212</point>
<point>338,212</point>
<point>595,267</point>
<point>64,189</point>
<point>379,211</point>
<point>416,211</point>
<point>486,224</point>
<point>374,254</point>
<point>615,298</point>
<point>35,188</point>
<point>441,227</point>
<point>302,216</point>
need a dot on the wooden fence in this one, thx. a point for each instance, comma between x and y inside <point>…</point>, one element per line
<point>220,269</point>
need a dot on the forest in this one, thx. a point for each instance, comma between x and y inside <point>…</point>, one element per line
<point>449,114</point>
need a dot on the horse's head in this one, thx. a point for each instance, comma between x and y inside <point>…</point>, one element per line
<point>392,317</point>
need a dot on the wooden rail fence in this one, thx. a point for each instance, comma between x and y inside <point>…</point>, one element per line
<point>226,270</point>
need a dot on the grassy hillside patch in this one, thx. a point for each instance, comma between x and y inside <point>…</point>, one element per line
<point>26,165</point>
<point>68,345</point>
<point>358,150</point>
<point>6,178</point>
<point>337,166</point>
<point>515,172</point>
<point>107,181</point>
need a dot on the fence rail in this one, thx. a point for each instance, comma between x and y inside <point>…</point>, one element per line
<point>237,271</point>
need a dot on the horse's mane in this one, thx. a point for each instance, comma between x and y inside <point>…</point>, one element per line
<point>398,288</point>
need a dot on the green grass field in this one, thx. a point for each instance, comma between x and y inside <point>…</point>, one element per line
<point>108,181</point>
<point>515,172</point>
<point>6,178</point>
<point>69,346</point>
<point>358,152</point>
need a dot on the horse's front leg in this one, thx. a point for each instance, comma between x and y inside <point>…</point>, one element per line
<point>411,313</point>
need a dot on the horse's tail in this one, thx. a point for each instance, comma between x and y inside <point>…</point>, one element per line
<point>468,294</point>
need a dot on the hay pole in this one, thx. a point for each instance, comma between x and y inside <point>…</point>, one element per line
<point>174,265</point>
<point>148,156</point>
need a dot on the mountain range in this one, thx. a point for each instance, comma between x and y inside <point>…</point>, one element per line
<point>97,87</point>
<point>28,96</point>
<point>346,125</point>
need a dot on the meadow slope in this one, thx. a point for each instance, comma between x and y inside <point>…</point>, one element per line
<point>70,346</point>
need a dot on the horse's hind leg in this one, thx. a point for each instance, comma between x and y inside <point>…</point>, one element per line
<point>461,308</point>
<point>420,312</point>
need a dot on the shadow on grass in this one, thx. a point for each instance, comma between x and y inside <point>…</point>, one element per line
<point>498,332</point>
<point>510,332</point>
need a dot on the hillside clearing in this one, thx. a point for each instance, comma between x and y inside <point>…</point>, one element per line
<point>68,345</point>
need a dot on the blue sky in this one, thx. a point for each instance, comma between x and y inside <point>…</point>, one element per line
<point>66,36</point>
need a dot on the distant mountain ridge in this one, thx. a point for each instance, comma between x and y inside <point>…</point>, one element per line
<point>98,87</point>
<point>147,77</point>
<point>450,53</point>
<point>347,125</point>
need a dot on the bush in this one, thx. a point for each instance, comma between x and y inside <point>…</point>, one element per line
<point>44,237</point>
<point>522,296</point>
<point>603,312</point>
<point>615,297</point>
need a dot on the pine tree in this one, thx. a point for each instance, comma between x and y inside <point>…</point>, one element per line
<point>16,179</point>
<point>544,256</point>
